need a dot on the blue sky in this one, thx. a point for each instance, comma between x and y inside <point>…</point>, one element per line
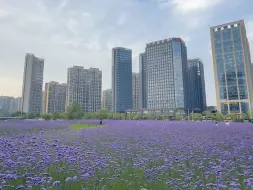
<point>82,32</point>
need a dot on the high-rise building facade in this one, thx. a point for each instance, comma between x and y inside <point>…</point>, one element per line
<point>84,86</point>
<point>166,72</point>
<point>95,78</point>
<point>121,79</point>
<point>196,85</point>
<point>18,104</point>
<point>55,97</point>
<point>43,110</point>
<point>136,90</point>
<point>232,68</point>
<point>107,100</point>
<point>143,80</point>
<point>7,103</point>
<point>32,84</point>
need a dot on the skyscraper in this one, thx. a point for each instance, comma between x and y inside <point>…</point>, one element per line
<point>196,85</point>
<point>107,100</point>
<point>166,72</point>
<point>143,80</point>
<point>84,86</point>
<point>136,90</point>
<point>32,84</point>
<point>232,67</point>
<point>55,97</point>
<point>121,79</point>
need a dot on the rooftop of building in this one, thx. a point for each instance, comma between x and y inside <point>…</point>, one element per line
<point>165,41</point>
<point>31,54</point>
<point>195,59</point>
<point>122,48</point>
<point>228,25</point>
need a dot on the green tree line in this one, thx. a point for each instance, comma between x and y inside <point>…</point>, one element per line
<point>74,112</point>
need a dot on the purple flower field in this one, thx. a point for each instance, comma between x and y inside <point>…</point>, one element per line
<point>122,155</point>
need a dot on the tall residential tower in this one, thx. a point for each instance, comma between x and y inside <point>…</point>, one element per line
<point>121,79</point>
<point>84,86</point>
<point>55,97</point>
<point>232,68</point>
<point>32,84</point>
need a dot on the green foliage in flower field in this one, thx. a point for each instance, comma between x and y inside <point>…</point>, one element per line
<point>80,126</point>
<point>74,111</point>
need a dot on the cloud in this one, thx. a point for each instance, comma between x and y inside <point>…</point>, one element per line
<point>4,14</point>
<point>67,33</point>
<point>122,19</point>
<point>189,6</point>
<point>62,5</point>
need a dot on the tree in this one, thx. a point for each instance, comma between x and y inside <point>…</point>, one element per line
<point>207,113</point>
<point>89,116</point>
<point>56,116</point>
<point>103,114</point>
<point>178,117</point>
<point>136,117</point>
<point>74,111</point>
<point>116,116</point>
<point>245,116</point>
<point>46,116</point>
<point>250,114</point>
<point>31,116</point>
<point>219,116</point>
<point>213,116</point>
<point>197,116</point>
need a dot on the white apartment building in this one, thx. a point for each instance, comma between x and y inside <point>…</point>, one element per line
<point>84,86</point>
<point>55,97</point>
<point>32,84</point>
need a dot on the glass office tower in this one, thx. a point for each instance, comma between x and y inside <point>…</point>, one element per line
<point>232,67</point>
<point>196,85</point>
<point>166,74</point>
<point>121,79</point>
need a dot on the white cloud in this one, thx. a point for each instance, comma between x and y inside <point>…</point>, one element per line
<point>122,19</point>
<point>188,6</point>
<point>4,13</point>
<point>62,5</point>
<point>67,33</point>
